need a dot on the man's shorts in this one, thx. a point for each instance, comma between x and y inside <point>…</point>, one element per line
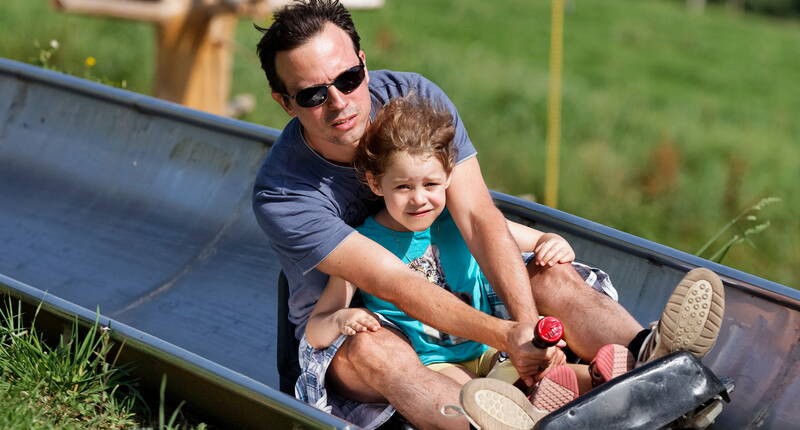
<point>314,363</point>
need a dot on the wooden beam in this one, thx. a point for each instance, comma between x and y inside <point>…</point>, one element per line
<point>153,11</point>
<point>349,4</point>
<point>194,59</point>
<point>194,42</point>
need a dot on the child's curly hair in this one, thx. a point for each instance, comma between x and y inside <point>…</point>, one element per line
<point>409,124</point>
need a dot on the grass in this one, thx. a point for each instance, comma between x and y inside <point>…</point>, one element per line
<point>73,384</point>
<point>752,226</point>
<point>673,123</point>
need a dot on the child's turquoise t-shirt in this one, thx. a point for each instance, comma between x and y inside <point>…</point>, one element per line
<point>441,255</point>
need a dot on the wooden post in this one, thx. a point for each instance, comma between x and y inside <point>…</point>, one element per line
<point>194,57</point>
<point>554,103</point>
<point>194,43</point>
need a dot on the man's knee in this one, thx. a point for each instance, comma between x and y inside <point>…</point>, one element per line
<point>369,362</point>
<point>553,277</point>
<point>557,287</point>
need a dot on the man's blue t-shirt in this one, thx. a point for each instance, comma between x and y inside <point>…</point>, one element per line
<point>307,205</point>
<point>441,255</point>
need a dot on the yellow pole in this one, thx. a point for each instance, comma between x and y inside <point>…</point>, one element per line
<point>554,103</point>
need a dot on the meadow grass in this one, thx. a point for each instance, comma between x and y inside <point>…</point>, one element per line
<point>71,383</point>
<point>673,123</point>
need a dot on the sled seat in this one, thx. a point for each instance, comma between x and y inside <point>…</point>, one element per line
<point>674,391</point>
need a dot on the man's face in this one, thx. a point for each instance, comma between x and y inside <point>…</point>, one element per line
<point>334,127</point>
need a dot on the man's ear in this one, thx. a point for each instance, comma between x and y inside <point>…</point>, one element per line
<point>363,58</point>
<point>372,181</point>
<point>283,100</point>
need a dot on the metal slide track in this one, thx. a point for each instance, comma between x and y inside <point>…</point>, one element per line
<point>142,208</point>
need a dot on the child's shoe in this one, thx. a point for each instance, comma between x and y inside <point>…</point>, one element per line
<point>491,404</point>
<point>558,387</point>
<point>612,360</point>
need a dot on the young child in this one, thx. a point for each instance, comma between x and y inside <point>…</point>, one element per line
<point>406,157</point>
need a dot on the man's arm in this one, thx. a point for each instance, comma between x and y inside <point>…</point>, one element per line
<point>487,235</point>
<point>377,271</point>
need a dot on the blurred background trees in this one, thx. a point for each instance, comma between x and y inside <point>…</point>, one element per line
<point>673,122</point>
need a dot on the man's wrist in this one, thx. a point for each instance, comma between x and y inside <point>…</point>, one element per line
<point>508,343</point>
<point>527,315</point>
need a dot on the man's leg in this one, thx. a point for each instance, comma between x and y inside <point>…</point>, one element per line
<point>591,319</point>
<point>381,366</point>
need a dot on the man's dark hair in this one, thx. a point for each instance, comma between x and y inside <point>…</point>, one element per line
<point>294,25</point>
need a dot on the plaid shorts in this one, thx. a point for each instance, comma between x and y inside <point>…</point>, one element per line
<point>595,278</point>
<point>310,386</point>
<point>314,363</point>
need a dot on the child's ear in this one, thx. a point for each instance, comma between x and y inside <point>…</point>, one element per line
<point>372,181</point>
<point>447,181</point>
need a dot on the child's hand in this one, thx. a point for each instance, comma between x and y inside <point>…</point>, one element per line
<point>552,249</point>
<point>355,320</point>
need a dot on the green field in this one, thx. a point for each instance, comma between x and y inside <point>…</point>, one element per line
<point>72,382</point>
<point>672,123</point>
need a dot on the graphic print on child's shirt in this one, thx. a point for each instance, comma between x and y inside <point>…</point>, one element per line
<point>430,266</point>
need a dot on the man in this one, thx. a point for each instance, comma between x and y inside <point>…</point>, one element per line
<point>307,199</point>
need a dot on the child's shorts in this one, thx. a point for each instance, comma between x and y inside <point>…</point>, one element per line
<point>480,366</point>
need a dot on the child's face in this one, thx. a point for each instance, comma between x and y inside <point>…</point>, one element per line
<point>413,188</point>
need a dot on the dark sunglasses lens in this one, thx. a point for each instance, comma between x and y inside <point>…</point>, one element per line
<point>348,81</point>
<point>313,96</point>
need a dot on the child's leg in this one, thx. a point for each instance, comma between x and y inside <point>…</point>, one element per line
<point>504,371</point>
<point>611,361</point>
<point>584,378</point>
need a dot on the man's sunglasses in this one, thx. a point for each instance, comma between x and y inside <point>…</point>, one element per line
<point>347,82</point>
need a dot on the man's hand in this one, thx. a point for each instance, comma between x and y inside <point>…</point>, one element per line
<point>559,359</point>
<point>529,360</point>
<point>552,249</point>
<point>356,320</point>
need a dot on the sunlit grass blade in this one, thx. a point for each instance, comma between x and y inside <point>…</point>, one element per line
<point>749,216</point>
